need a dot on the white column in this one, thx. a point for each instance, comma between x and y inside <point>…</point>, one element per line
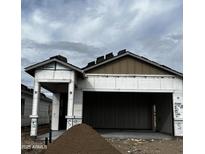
<point>71,88</point>
<point>34,116</point>
<point>55,111</point>
<point>178,113</point>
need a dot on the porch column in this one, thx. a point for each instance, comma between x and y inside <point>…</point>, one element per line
<point>178,113</point>
<point>71,88</point>
<point>34,116</point>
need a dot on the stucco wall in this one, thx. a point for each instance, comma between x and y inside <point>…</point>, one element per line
<point>139,83</point>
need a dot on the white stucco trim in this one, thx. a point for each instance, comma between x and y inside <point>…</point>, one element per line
<point>55,80</point>
<point>34,116</point>
<point>70,106</point>
<point>128,90</point>
<point>143,83</point>
<point>129,75</point>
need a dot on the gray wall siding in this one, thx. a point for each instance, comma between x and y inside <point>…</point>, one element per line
<point>127,65</point>
<point>42,111</point>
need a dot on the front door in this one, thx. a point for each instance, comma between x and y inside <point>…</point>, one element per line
<point>63,110</point>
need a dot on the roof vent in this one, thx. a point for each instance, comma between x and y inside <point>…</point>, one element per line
<point>109,55</point>
<point>100,59</point>
<point>91,63</point>
<point>121,52</point>
<point>59,57</point>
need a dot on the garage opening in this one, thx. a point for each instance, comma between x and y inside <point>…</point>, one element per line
<point>129,110</point>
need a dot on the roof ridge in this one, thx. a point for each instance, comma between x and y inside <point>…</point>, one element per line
<point>100,61</point>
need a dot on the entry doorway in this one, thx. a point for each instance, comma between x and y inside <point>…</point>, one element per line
<point>63,111</point>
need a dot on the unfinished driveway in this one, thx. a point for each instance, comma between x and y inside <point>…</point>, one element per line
<point>135,134</point>
<point>140,146</point>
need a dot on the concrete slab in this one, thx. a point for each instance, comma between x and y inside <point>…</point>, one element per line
<point>124,134</point>
<point>55,135</point>
<point>120,134</point>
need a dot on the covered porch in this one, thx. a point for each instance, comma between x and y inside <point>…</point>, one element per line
<point>58,77</point>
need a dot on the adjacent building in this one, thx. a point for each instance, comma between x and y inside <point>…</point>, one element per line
<point>26,107</point>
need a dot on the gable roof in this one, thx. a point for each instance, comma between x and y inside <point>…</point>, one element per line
<point>124,53</point>
<point>59,59</point>
<point>99,62</point>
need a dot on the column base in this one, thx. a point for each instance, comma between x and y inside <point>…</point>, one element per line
<point>69,121</point>
<point>34,125</point>
<point>73,120</point>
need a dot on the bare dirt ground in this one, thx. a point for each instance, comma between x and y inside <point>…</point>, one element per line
<point>29,146</point>
<point>139,146</point>
<point>125,146</point>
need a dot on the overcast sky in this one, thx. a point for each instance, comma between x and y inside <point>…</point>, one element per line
<point>82,30</point>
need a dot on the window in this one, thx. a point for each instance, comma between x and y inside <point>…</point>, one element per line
<point>22,106</point>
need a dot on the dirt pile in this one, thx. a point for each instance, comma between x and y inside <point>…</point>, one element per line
<point>81,139</point>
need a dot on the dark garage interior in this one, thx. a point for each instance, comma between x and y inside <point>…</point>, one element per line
<point>129,111</point>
